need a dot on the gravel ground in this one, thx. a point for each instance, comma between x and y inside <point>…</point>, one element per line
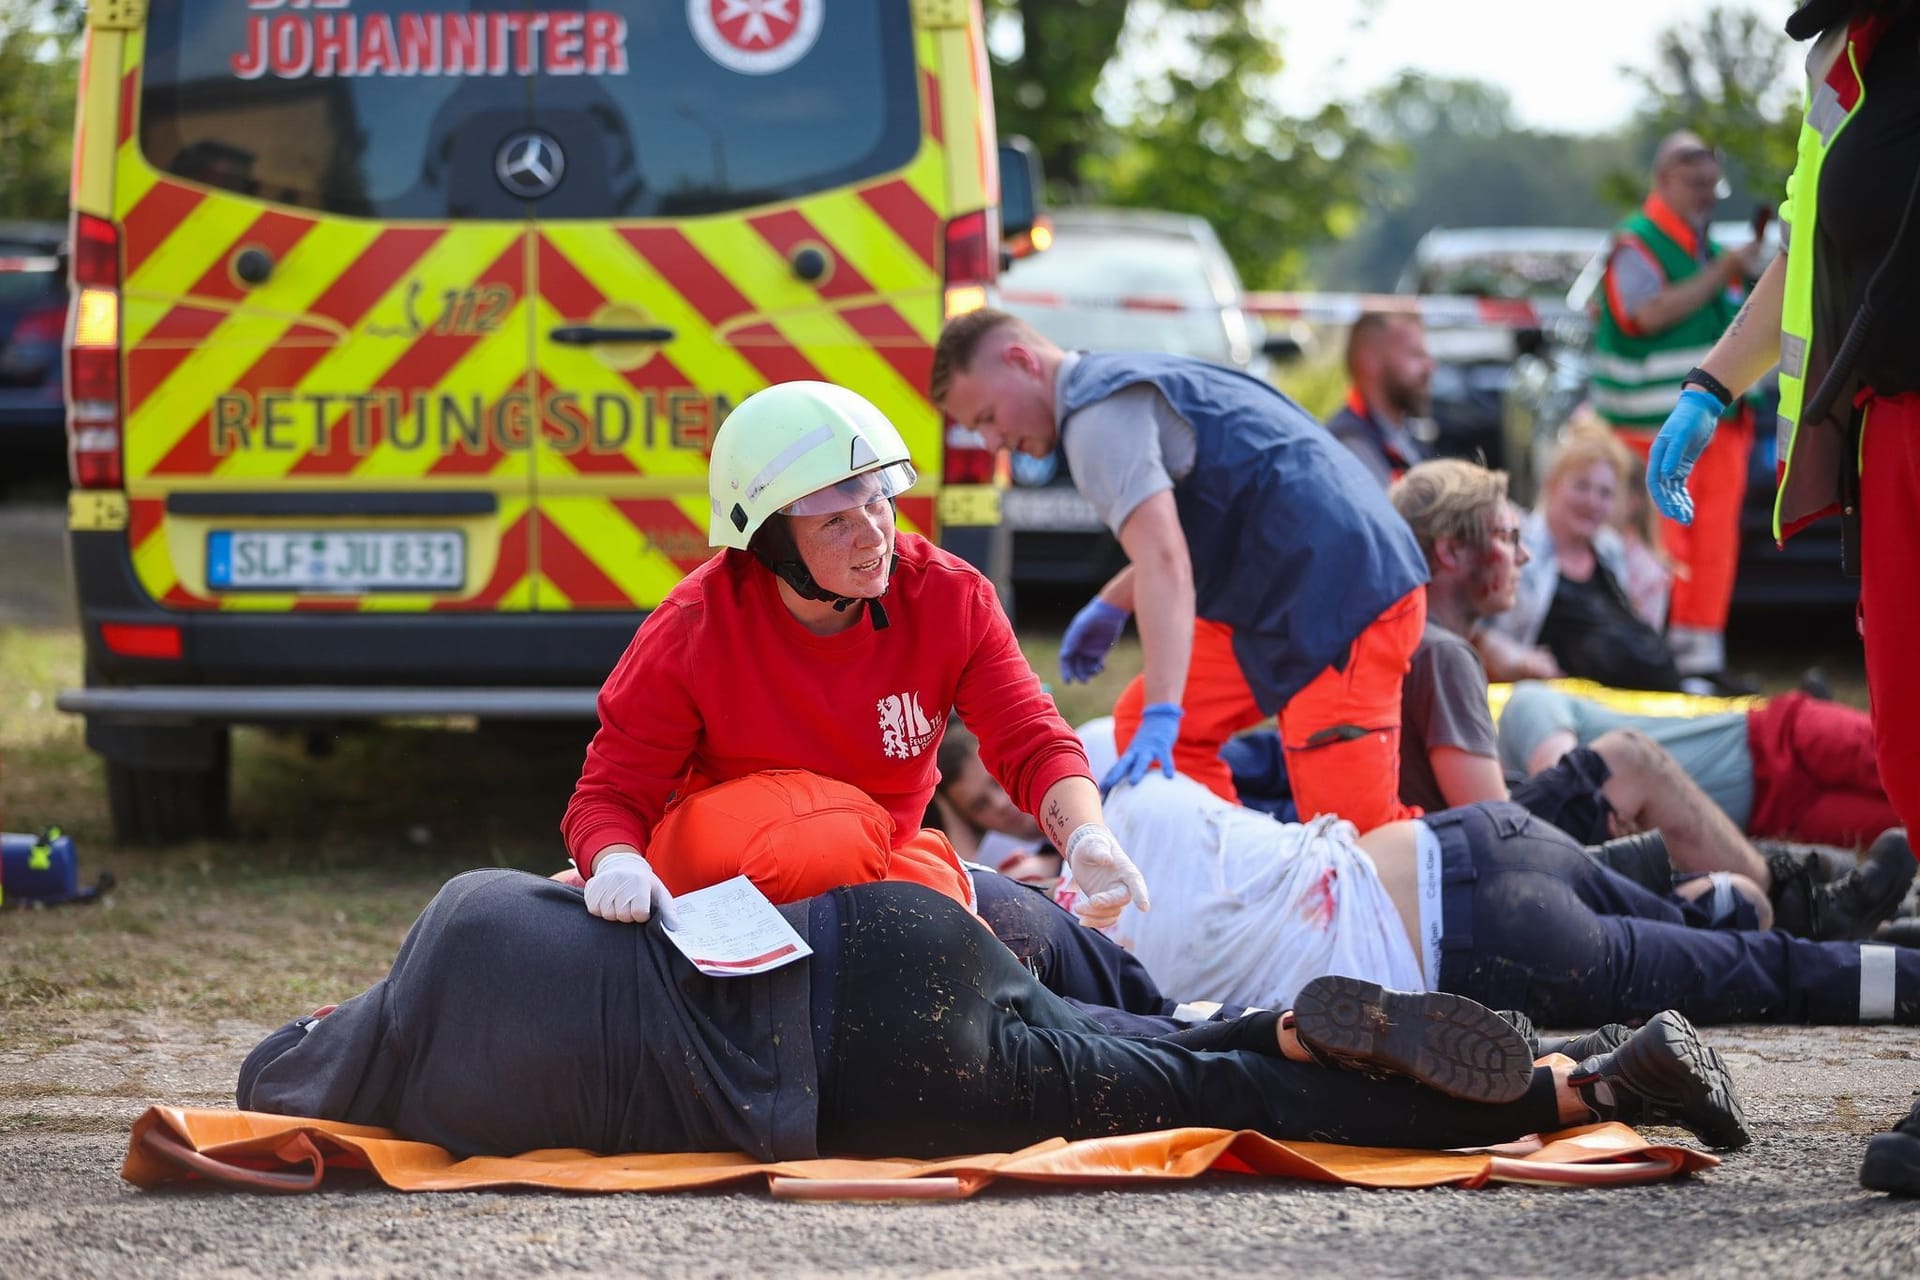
<point>1789,1204</point>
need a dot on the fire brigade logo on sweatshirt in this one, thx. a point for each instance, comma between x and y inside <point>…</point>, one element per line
<point>904,731</point>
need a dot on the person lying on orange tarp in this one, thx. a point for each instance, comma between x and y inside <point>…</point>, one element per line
<point>825,641</point>
<point>513,1020</point>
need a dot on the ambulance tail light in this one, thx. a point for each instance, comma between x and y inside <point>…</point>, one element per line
<point>93,356</point>
<point>968,460</point>
<point>973,261</point>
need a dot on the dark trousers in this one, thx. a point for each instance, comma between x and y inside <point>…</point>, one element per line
<point>1081,965</point>
<point>941,1043</point>
<point>1532,923</point>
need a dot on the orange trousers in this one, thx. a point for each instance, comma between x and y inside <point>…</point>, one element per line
<point>1340,734</point>
<point>1706,553</point>
<point>796,834</point>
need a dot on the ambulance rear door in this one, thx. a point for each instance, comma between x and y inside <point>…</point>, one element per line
<point>324,220</point>
<point>756,195</point>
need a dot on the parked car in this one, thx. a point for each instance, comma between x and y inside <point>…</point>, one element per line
<point>1471,365</point>
<point>1115,279</point>
<point>33,315</point>
<point>1549,382</point>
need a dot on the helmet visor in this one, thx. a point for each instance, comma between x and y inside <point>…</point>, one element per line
<point>889,481</point>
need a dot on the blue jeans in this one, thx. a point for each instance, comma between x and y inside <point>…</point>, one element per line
<point>1532,923</point>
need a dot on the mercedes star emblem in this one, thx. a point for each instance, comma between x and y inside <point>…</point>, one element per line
<point>529,164</point>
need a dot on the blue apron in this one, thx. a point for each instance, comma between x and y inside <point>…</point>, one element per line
<point>1294,545</point>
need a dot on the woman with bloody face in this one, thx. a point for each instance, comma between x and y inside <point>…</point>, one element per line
<point>810,668</point>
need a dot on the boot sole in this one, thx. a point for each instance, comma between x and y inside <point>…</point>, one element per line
<point>1892,1164</point>
<point>1445,1042</point>
<point>1690,1087</point>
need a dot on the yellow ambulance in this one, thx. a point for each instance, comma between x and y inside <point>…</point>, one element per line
<point>400,330</point>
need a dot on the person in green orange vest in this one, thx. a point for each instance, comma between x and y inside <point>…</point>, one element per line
<point>1668,293</point>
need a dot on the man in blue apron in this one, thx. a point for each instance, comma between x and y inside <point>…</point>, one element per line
<point>1238,512</point>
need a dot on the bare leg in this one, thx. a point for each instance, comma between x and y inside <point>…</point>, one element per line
<point>1649,790</point>
<point>1753,893</point>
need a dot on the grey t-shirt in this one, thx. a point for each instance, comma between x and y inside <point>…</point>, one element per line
<point>1712,750</point>
<point>1124,449</point>
<point>1443,703</point>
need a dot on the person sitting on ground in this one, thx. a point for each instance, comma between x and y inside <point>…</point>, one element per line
<point>1571,599</point>
<point>1793,767</point>
<point>1622,781</point>
<point>981,820</point>
<point>1389,374</point>
<point>1485,901</point>
<point>813,663</point>
<point>513,1020</point>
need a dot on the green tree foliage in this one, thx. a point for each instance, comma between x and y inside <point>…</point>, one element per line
<point>1202,135</point>
<point>1729,76</point>
<point>37,86</point>
<point>1164,104</point>
<point>1472,165</point>
<point>1049,56</point>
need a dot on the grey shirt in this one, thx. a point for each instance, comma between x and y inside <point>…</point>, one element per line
<point>1124,449</point>
<point>1712,750</point>
<point>1442,704</point>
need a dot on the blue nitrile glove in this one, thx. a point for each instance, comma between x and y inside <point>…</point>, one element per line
<point>1688,429</point>
<point>1090,636</point>
<point>1159,728</point>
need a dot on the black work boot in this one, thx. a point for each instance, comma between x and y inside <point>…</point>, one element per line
<point>1826,862</point>
<point>1446,1042</point>
<point>1524,1025</point>
<point>1581,1047</point>
<point>1850,907</point>
<point>1892,1162</point>
<point>1641,858</point>
<point>1663,1074</point>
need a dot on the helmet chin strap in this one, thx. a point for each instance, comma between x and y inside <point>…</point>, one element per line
<point>775,548</point>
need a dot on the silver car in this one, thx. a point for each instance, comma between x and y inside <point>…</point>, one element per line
<point>1115,280</point>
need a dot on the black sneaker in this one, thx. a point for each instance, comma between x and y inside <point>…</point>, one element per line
<point>1446,1042</point>
<point>1892,1161</point>
<point>1663,1074</point>
<point>1581,1047</point>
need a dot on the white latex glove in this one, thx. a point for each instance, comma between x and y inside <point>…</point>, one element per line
<point>1104,874</point>
<point>624,888</point>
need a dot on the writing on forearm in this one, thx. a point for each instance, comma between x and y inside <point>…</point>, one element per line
<point>1056,825</point>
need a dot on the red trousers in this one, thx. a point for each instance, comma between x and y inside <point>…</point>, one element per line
<point>1706,553</point>
<point>1340,734</point>
<point>1890,592</point>
<point>1814,776</point>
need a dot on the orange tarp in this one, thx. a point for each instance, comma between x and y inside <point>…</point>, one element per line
<point>288,1153</point>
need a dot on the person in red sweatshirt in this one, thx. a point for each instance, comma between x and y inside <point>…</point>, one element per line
<point>824,640</point>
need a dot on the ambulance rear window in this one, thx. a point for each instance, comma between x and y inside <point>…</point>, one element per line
<point>482,109</point>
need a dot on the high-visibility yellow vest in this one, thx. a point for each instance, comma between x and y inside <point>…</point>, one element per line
<point>1810,453</point>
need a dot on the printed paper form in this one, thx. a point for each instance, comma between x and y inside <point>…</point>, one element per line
<point>730,929</point>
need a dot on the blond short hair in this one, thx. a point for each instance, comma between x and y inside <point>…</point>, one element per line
<point>1584,443</point>
<point>1449,498</point>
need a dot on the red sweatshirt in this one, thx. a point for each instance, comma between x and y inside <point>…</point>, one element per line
<point>721,681</point>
